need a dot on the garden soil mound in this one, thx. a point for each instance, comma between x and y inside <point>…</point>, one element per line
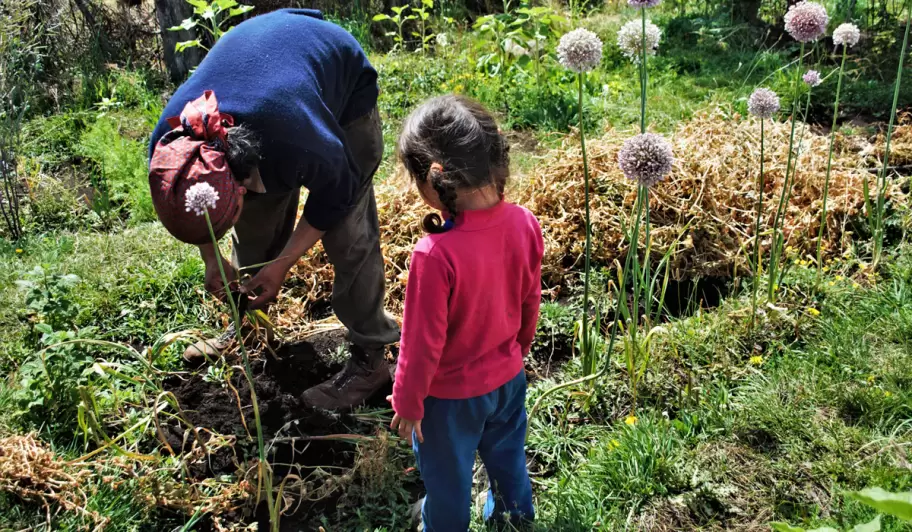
<point>707,204</point>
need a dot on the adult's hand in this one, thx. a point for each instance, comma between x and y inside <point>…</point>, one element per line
<point>213,281</point>
<point>264,287</point>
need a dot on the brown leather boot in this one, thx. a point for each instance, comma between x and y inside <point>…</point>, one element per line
<point>364,374</point>
<point>213,348</point>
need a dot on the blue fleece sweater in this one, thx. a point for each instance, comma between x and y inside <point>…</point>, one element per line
<point>296,80</point>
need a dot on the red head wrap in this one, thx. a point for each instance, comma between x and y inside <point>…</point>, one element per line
<point>193,152</point>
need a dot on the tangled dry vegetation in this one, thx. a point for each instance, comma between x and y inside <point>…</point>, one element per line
<point>712,188</point>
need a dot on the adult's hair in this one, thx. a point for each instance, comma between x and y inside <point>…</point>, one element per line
<point>243,152</point>
<point>453,142</point>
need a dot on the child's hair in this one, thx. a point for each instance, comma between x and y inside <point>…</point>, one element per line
<point>453,142</point>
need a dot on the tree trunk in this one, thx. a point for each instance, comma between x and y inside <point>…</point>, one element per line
<point>172,13</point>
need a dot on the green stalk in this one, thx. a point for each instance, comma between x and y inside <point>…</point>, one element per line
<point>757,264</point>
<point>826,182</point>
<point>643,74</point>
<point>776,240</point>
<point>882,180</point>
<point>264,474</point>
<point>585,328</point>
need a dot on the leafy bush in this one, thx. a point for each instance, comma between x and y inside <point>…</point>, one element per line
<point>122,163</point>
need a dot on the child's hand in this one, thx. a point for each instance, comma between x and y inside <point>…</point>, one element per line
<point>406,426</point>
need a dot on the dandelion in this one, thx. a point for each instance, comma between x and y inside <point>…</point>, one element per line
<point>580,50</point>
<point>846,34</point>
<point>763,103</point>
<point>643,4</point>
<point>813,312</point>
<point>812,78</point>
<point>19,250</point>
<point>806,21</point>
<point>646,158</point>
<point>630,39</point>
<point>631,420</point>
<point>756,360</point>
<point>200,198</point>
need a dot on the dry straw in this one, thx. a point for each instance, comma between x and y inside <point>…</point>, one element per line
<point>712,185</point>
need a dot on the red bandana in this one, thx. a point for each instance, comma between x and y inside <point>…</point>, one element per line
<point>193,152</point>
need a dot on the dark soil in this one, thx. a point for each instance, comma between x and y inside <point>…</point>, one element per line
<point>287,422</point>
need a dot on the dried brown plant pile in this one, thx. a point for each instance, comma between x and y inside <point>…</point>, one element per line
<point>713,188</point>
<point>32,472</point>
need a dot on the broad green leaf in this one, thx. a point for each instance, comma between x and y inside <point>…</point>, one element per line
<point>44,328</point>
<point>208,14</point>
<point>226,4</point>
<point>398,10</point>
<point>380,16</point>
<point>823,529</point>
<point>200,5</point>
<point>785,527</point>
<point>186,24</point>
<point>873,526</point>
<point>239,11</point>
<point>428,3</point>
<point>183,45</point>
<point>895,504</point>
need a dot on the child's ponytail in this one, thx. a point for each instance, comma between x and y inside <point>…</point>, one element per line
<point>452,143</point>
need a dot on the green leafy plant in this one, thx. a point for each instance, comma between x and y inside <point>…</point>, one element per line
<point>423,13</point>
<point>399,17</point>
<point>898,505</point>
<point>214,17</point>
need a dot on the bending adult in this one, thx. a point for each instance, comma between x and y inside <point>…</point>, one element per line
<point>283,101</point>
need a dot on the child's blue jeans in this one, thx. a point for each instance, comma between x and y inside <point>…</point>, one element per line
<point>494,425</point>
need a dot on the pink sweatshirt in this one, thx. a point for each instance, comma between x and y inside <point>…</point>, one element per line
<point>471,308</point>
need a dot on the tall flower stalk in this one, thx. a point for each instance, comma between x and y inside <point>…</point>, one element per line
<point>878,215</point>
<point>805,22</point>
<point>763,103</point>
<point>846,35</point>
<point>580,51</point>
<point>199,199</point>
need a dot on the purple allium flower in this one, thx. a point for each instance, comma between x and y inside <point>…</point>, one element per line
<point>200,198</point>
<point>806,21</point>
<point>643,3</point>
<point>763,103</point>
<point>630,39</point>
<point>847,34</point>
<point>646,158</point>
<point>812,78</point>
<point>580,50</point>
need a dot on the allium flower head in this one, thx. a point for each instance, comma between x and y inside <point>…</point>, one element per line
<point>646,158</point>
<point>812,78</point>
<point>847,34</point>
<point>630,39</point>
<point>763,103</point>
<point>643,3</point>
<point>580,50</point>
<point>200,198</point>
<point>806,21</point>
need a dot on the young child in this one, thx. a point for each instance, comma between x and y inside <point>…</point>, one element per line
<point>471,308</point>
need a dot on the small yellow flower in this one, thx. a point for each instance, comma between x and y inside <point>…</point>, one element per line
<point>802,263</point>
<point>871,378</point>
<point>775,288</point>
<point>839,278</point>
<point>856,286</point>
<point>458,88</point>
<point>18,250</point>
<point>631,420</point>
<point>756,360</point>
<point>614,444</point>
<point>831,283</point>
<point>813,312</point>
<point>888,393</point>
<point>826,268</point>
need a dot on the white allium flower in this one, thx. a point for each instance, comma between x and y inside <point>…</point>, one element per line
<point>806,21</point>
<point>580,50</point>
<point>646,158</point>
<point>630,39</point>
<point>200,198</point>
<point>847,34</point>
<point>643,3</point>
<point>763,103</point>
<point>812,78</point>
